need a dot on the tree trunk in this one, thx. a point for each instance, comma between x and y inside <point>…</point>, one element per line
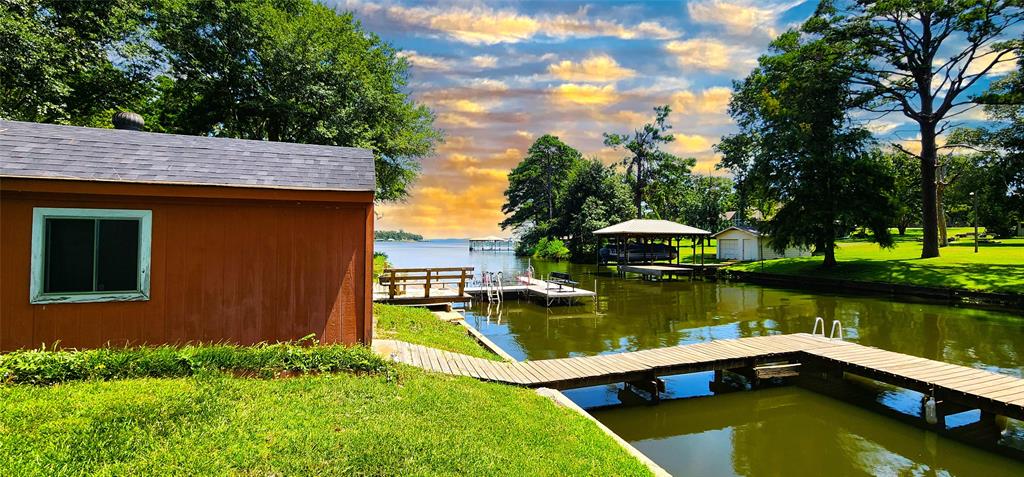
<point>902,229</point>
<point>940,191</point>
<point>638,194</point>
<point>830,256</point>
<point>929,219</point>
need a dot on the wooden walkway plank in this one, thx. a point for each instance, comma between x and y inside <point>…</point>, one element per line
<point>887,366</point>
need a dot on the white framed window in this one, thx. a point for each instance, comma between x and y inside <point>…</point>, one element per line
<point>90,255</point>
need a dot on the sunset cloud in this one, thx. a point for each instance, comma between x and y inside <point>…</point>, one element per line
<point>585,94</point>
<point>462,105</point>
<point>461,160</point>
<point>597,68</point>
<point>712,55</point>
<point>425,61</point>
<point>714,100</point>
<point>692,143</point>
<point>485,61</point>
<point>740,17</point>
<point>437,212</point>
<point>455,119</point>
<point>482,25</point>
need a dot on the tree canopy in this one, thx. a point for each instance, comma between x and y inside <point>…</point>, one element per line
<point>535,184</point>
<point>997,176</point>
<point>282,70</point>
<point>72,62</point>
<point>798,148</point>
<point>646,157</point>
<point>595,197</point>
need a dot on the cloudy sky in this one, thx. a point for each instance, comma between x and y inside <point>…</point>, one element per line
<point>498,75</point>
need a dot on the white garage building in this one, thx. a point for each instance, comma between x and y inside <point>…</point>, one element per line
<point>744,243</point>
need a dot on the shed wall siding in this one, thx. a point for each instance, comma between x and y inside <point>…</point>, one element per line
<point>241,271</point>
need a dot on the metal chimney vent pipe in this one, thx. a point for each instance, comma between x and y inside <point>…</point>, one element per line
<point>128,120</point>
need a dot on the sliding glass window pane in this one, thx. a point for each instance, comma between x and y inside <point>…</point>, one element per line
<point>117,267</point>
<point>69,255</point>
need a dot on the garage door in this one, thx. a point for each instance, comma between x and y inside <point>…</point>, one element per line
<point>729,249</point>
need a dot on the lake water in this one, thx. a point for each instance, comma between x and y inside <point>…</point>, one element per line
<point>782,431</point>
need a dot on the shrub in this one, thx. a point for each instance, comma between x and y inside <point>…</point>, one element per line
<point>380,262</point>
<point>42,366</point>
<point>551,249</point>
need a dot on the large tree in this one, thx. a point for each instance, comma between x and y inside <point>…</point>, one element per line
<point>71,62</point>
<point>595,197</point>
<point>291,70</point>
<point>668,182</point>
<point>920,59</point>
<point>646,157</point>
<point>704,202</point>
<point>534,186</point>
<point>798,147</point>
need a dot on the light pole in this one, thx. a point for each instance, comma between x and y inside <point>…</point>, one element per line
<point>975,197</point>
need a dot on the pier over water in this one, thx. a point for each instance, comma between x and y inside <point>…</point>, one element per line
<point>811,361</point>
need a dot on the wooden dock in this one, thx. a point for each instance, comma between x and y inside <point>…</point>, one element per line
<point>657,271</point>
<point>423,286</point>
<point>956,387</point>
<point>551,293</point>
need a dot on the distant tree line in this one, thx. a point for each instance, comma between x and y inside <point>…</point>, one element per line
<point>556,198</point>
<point>279,70</point>
<point>396,235</point>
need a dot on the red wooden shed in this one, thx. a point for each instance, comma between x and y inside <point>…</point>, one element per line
<point>118,237</point>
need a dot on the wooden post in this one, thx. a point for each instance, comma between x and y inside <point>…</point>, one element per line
<point>462,283</point>
<point>391,285</point>
<point>702,253</point>
<point>426,288</point>
<point>693,247</point>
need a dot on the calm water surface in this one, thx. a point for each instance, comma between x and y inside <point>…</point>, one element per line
<point>783,431</point>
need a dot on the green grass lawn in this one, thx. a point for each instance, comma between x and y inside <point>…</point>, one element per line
<point>402,421</point>
<point>997,267</point>
<point>419,326</point>
<point>412,423</point>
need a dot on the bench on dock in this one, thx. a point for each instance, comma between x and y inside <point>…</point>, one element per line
<point>398,280</point>
<point>560,279</point>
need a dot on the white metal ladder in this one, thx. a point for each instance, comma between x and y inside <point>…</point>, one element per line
<point>495,289</point>
<point>835,333</point>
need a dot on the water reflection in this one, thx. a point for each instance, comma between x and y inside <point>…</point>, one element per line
<point>790,431</point>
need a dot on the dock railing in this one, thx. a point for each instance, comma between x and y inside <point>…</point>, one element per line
<point>397,279</point>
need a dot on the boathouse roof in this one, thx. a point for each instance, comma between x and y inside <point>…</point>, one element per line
<point>50,151</point>
<point>650,227</point>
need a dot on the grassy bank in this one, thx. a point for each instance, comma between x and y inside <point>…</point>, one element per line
<point>381,420</point>
<point>412,423</point>
<point>997,267</point>
<point>419,326</point>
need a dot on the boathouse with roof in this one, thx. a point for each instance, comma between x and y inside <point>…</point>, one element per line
<point>123,237</point>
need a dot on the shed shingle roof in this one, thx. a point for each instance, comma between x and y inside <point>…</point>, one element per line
<point>35,150</point>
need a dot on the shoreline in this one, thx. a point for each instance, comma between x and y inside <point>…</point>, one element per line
<point>950,295</point>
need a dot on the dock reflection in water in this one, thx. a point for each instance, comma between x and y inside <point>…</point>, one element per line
<point>790,431</point>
